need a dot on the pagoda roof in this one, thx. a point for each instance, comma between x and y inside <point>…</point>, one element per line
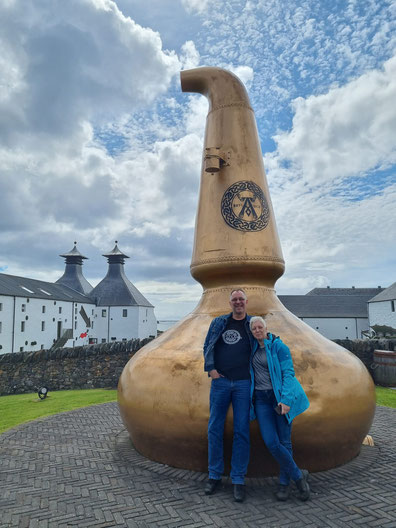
<point>73,253</point>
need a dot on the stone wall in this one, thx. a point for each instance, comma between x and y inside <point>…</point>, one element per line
<point>93,366</point>
<point>364,349</point>
<point>100,366</point>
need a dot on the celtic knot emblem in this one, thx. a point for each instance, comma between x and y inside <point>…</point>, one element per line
<point>244,207</point>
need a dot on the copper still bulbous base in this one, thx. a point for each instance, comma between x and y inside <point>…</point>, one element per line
<point>163,396</point>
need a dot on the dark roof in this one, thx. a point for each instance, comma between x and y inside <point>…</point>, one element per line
<point>22,287</point>
<point>73,253</point>
<point>326,305</point>
<point>369,292</point>
<point>116,289</point>
<point>74,279</point>
<point>115,252</point>
<point>73,276</point>
<point>389,294</point>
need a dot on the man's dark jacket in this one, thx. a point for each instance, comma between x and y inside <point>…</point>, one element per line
<point>216,328</point>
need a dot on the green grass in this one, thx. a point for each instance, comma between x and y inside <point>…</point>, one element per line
<point>21,408</point>
<point>386,397</point>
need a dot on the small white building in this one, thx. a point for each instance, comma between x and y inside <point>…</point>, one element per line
<point>382,308</point>
<point>122,312</point>
<point>336,313</point>
<point>38,315</point>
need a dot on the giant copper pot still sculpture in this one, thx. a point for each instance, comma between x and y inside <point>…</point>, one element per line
<point>163,392</point>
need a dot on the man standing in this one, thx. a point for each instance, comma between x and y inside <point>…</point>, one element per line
<point>227,350</point>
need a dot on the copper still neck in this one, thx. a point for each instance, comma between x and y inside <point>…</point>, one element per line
<point>236,240</point>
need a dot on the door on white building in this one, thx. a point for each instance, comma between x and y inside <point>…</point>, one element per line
<point>59,330</point>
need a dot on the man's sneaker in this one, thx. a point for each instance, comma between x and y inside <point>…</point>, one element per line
<point>211,486</point>
<point>239,492</point>
<point>283,492</point>
<point>303,486</point>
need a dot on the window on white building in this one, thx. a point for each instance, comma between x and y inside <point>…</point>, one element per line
<point>60,309</point>
<point>124,313</point>
<point>42,326</point>
<point>41,347</point>
<point>1,307</point>
<point>1,324</point>
<point>22,326</point>
<point>43,309</point>
<point>20,349</point>
<point>103,340</point>
<point>104,312</point>
<point>113,338</point>
<point>23,307</point>
<point>393,306</point>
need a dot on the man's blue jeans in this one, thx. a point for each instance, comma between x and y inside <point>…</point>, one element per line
<point>223,392</point>
<point>276,433</point>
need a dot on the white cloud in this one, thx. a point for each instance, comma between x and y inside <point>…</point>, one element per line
<point>196,6</point>
<point>171,299</point>
<point>189,56</point>
<point>345,132</point>
<point>66,62</point>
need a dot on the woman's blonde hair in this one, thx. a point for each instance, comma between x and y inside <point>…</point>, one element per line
<point>255,319</point>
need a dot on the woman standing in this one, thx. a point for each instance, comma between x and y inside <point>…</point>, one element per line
<point>278,398</point>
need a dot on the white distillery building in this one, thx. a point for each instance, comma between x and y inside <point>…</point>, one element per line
<point>336,313</point>
<point>382,308</point>
<point>38,315</point>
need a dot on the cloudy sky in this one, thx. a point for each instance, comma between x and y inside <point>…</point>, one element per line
<point>95,135</point>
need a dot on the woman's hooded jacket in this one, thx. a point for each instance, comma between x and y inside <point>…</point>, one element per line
<point>287,388</point>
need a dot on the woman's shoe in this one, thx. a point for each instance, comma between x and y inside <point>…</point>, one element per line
<point>283,492</point>
<point>303,486</point>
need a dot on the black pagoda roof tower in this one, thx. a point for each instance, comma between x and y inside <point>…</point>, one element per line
<point>73,277</point>
<point>116,289</point>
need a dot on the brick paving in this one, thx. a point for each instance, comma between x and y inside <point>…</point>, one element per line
<point>79,469</point>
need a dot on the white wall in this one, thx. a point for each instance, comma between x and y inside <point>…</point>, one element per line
<point>138,322</point>
<point>338,327</point>
<point>380,313</point>
<point>147,322</point>
<point>117,323</point>
<point>79,325</point>
<point>29,316</point>
<point>6,318</point>
<point>56,316</point>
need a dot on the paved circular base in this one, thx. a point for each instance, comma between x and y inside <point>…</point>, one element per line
<point>80,469</point>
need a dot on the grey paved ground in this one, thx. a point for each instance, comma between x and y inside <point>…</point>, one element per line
<point>79,469</point>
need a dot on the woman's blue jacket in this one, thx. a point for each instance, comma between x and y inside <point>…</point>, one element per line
<point>287,388</point>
